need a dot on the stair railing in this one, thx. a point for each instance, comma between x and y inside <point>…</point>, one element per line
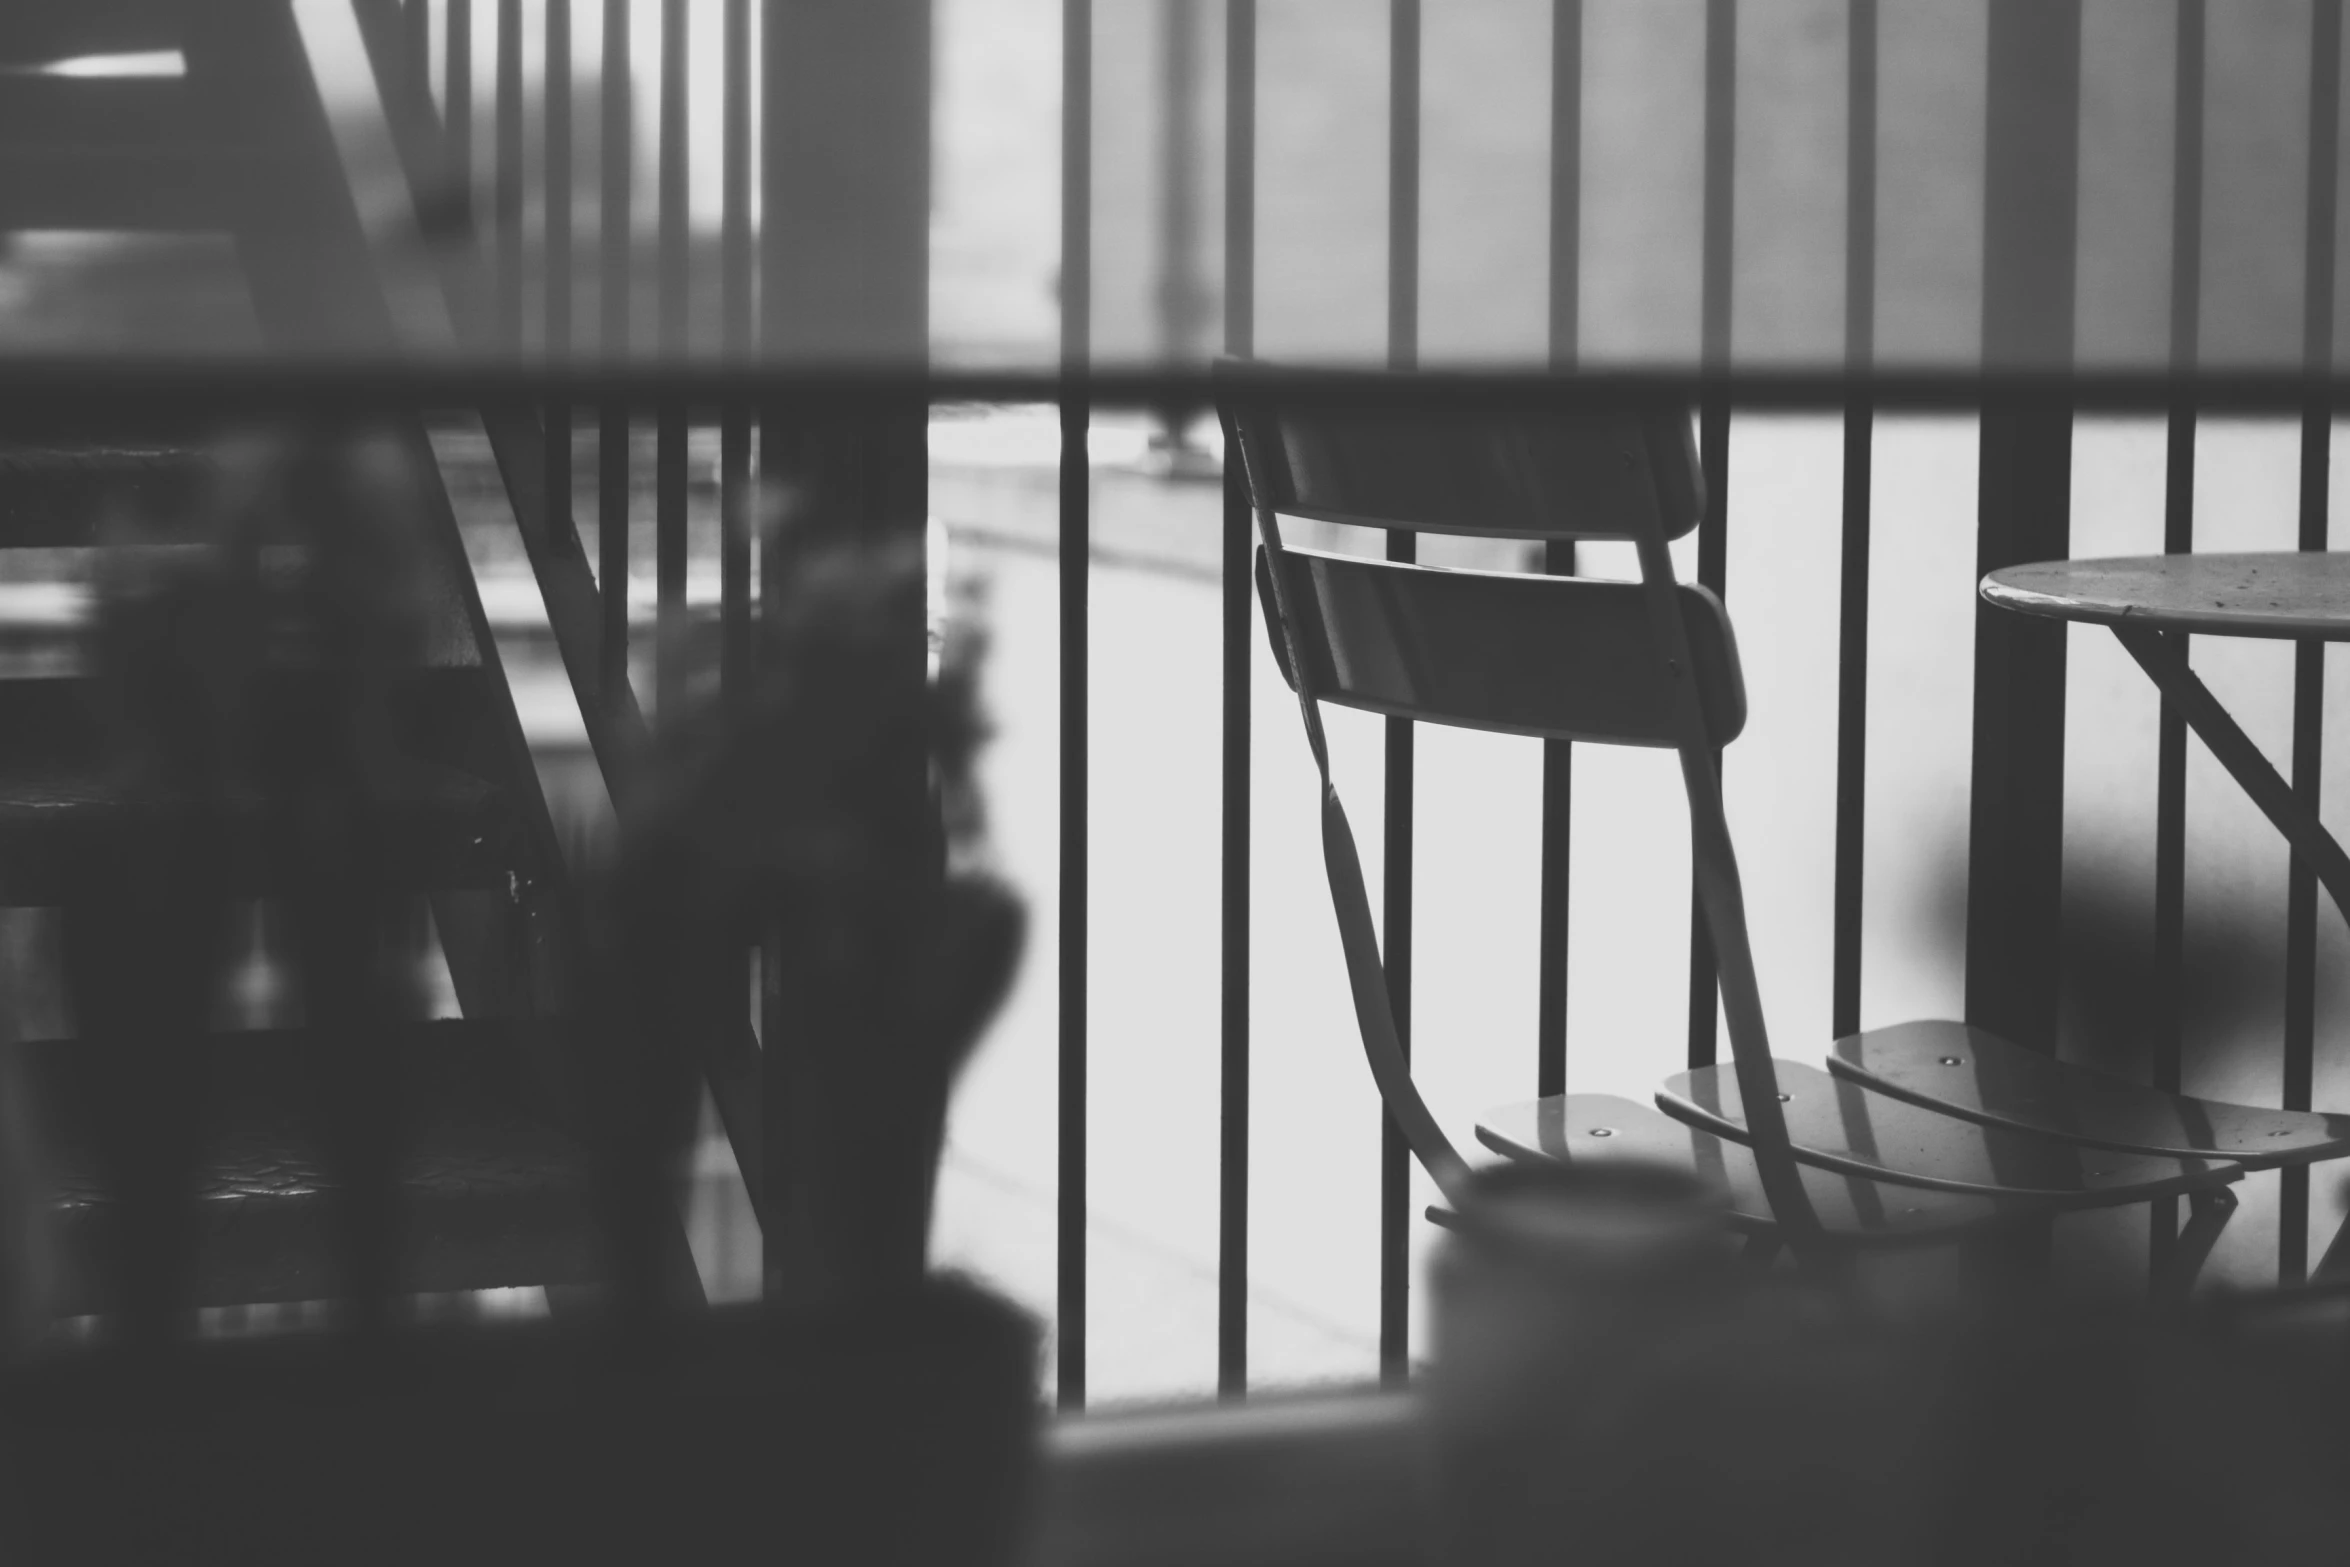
<point>588,623</point>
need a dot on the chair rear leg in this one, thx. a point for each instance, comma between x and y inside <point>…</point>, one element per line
<point>2208,1213</point>
<point>2335,1264</point>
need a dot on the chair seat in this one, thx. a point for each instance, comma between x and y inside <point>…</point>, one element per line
<point>1982,1077</point>
<point>1842,1125</point>
<point>1593,1128</point>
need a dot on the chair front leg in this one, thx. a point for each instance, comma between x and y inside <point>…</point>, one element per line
<point>2335,1264</point>
<point>2208,1212</point>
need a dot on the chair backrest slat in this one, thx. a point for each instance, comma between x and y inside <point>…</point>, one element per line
<point>1541,475</point>
<point>1562,658</point>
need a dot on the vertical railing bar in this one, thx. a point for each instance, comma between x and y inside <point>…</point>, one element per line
<point>675,154</point>
<point>734,290</point>
<point>1180,295</point>
<point>1403,184</point>
<point>1566,182</point>
<point>561,264</point>
<point>781,428</point>
<point>2023,512</point>
<point>1403,347</point>
<point>457,111</point>
<point>747,980</point>
<point>1240,217</point>
<point>2317,430</point>
<point>669,476</point>
<point>1721,150</point>
<point>781,424</point>
<point>508,194</point>
<point>1852,625</point>
<point>1558,756</point>
<point>2178,537</point>
<point>616,151</point>
<point>1076,731</point>
<point>416,48</point>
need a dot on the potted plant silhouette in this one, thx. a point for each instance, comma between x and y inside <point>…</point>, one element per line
<point>864,1408</point>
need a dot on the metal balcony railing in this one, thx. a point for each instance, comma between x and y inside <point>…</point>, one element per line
<point>2019,377</point>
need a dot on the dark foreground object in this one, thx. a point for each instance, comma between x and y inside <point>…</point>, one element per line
<point>1784,1428</point>
<point>898,1430</point>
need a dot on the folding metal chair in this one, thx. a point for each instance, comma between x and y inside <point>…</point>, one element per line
<point>1820,1163</point>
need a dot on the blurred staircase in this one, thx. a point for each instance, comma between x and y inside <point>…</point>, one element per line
<point>494,1183</point>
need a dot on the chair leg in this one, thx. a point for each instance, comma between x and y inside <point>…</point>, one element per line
<point>2208,1214</point>
<point>2330,1276</point>
<point>2335,1263</point>
<point>1762,1248</point>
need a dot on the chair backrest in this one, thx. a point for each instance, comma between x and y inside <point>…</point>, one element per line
<point>1561,658</point>
<point>1650,663</point>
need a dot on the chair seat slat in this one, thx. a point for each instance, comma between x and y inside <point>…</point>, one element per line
<point>1841,1125</point>
<point>1965,1071</point>
<point>1598,1128</point>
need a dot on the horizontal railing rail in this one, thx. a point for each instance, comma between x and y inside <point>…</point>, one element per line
<point>44,391</point>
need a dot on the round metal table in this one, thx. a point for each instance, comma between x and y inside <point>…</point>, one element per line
<point>2152,604</point>
<point>2301,597</point>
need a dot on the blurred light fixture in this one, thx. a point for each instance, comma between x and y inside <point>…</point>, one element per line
<point>152,62</point>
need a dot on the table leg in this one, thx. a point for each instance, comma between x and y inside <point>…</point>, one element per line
<point>2163,657</point>
<point>2335,1264</point>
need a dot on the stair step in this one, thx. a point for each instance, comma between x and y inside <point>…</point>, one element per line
<point>56,496</point>
<point>491,1196</point>
<point>125,152</point>
<point>102,116</point>
<point>116,194</point>
<point>62,802</point>
<point>113,153</point>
